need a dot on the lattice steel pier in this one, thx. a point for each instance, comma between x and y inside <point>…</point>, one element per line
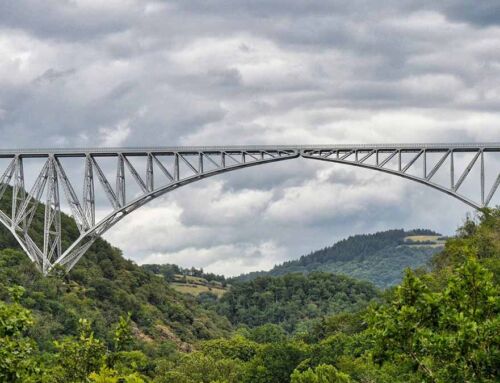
<point>166,169</point>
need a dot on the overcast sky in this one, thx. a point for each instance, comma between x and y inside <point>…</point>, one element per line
<point>137,72</point>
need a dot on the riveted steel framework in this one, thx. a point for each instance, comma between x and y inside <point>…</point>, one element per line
<point>179,166</point>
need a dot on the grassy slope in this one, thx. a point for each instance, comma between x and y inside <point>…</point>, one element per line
<point>195,289</point>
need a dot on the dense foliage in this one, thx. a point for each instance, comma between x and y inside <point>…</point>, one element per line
<point>293,298</point>
<point>379,258</point>
<point>102,287</point>
<point>436,327</point>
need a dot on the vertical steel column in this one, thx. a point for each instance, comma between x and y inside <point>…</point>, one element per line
<point>18,192</point>
<point>88,192</point>
<point>52,222</point>
<point>482,178</point>
<point>176,167</point>
<point>425,163</point>
<point>200,163</point>
<point>452,170</point>
<point>120,181</point>
<point>149,173</point>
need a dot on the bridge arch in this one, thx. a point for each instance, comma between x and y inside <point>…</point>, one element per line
<point>188,165</point>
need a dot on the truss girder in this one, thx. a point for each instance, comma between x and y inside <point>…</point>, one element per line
<point>166,169</point>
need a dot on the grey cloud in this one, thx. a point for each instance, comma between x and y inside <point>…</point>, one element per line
<point>376,57</point>
<point>63,20</point>
<point>51,75</point>
<point>230,77</point>
<point>481,13</point>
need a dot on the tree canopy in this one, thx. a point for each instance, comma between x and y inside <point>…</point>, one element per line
<point>110,321</point>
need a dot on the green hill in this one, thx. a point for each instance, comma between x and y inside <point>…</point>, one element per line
<point>102,287</point>
<point>293,298</point>
<point>379,258</point>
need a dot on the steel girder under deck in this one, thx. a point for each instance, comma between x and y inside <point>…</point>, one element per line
<point>166,169</point>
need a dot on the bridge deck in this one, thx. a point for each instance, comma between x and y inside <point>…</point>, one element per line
<point>81,152</point>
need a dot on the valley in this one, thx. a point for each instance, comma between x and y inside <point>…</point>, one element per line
<point>344,313</point>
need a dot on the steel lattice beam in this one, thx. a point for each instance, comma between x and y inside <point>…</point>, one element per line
<point>179,166</point>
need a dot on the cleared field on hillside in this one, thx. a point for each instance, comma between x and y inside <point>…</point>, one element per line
<point>425,240</point>
<point>188,288</point>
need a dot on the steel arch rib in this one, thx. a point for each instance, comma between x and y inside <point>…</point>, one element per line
<point>400,174</point>
<point>115,216</point>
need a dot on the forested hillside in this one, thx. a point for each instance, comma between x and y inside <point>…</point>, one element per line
<point>102,287</point>
<point>379,258</point>
<point>293,299</point>
<point>111,321</point>
<point>438,326</point>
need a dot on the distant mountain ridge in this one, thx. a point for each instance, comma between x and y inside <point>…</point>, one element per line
<point>379,258</point>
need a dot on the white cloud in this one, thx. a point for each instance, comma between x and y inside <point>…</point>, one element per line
<point>210,204</point>
<point>325,199</point>
<point>115,136</point>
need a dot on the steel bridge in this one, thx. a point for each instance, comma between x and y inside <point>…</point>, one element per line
<point>167,168</point>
